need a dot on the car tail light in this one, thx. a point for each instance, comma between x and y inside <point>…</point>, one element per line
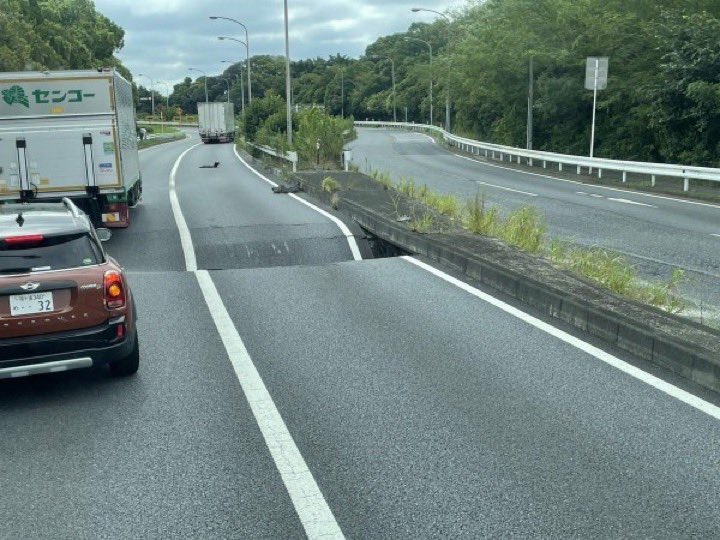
<point>114,290</point>
<point>27,239</point>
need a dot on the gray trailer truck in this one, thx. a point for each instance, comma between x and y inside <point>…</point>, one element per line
<point>70,134</point>
<point>216,122</point>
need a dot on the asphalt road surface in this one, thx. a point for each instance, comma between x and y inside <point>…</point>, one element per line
<point>656,234</point>
<point>287,389</point>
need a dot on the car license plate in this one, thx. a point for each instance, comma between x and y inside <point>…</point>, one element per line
<point>27,304</point>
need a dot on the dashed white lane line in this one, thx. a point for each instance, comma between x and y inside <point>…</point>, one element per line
<point>312,509</point>
<point>507,189</point>
<point>715,235</point>
<point>352,243</point>
<point>597,196</point>
<point>628,201</point>
<point>647,378</point>
<point>618,190</point>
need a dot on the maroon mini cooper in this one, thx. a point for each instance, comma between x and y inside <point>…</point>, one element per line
<point>64,303</point>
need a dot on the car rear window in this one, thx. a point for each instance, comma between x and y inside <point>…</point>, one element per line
<point>51,253</point>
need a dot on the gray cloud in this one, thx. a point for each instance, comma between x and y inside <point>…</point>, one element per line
<point>165,37</point>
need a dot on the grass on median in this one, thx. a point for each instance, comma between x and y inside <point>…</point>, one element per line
<point>525,229</point>
<point>329,184</point>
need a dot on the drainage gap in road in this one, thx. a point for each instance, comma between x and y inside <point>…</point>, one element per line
<point>382,249</point>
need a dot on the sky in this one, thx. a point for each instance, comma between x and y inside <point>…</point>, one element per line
<point>163,38</point>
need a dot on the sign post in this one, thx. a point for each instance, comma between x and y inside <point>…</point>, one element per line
<point>596,73</point>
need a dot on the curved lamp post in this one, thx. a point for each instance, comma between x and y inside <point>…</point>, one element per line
<point>431,77</point>
<point>247,49</point>
<point>447,93</point>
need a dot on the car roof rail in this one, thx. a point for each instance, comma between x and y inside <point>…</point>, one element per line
<point>74,210</point>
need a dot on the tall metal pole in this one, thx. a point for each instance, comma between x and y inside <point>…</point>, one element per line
<point>342,93</point>
<point>447,93</point>
<point>431,86</point>
<point>595,90</point>
<point>392,63</point>
<point>228,89</point>
<point>205,76</point>
<point>247,52</point>
<point>288,95</point>
<point>152,92</point>
<point>431,77</point>
<point>531,95</point>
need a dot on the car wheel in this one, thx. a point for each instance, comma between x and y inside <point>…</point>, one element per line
<point>128,365</point>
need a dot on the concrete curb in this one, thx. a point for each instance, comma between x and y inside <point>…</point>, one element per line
<point>679,355</point>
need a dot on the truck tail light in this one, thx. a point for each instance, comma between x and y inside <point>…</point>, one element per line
<point>114,290</point>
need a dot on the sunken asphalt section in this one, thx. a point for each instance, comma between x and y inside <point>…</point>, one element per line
<point>680,345</point>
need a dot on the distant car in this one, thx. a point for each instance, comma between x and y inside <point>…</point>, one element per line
<point>64,303</point>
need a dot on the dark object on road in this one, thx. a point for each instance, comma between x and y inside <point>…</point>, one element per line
<point>291,188</point>
<point>213,166</point>
<point>64,303</point>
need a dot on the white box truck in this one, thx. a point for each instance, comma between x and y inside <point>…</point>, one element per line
<point>216,122</point>
<point>70,134</point>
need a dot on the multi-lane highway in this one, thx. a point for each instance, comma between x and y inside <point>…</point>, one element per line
<point>288,388</point>
<point>655,233</point>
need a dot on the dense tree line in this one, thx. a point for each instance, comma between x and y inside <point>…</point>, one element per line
<point>662,102</point>
<point>56,34</point>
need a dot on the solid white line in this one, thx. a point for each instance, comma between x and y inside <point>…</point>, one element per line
<point>628,191</point>
<point>257,173</point>
<point>310,505</point>
<point>429,137</point>
<point>185,238</point>
<point>507,189</point>
<point>628,201</point>
<point>663,386</point>
<point>716,235</point>
<point>312,509</point>
<point>352,243</point>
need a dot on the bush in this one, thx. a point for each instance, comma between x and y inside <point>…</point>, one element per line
<point>329,184</point>
<point>315,125</point>
<point>525,229</point>
<point>480,220</point>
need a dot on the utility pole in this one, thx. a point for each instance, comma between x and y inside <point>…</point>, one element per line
<point>288,90</point>
<point>531,95</point>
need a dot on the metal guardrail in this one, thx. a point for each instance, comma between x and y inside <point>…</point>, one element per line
<point>503,153</point>
<point>292,157</point>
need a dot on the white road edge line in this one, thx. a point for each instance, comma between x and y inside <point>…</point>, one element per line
<point>310,504</point>
<point>352,243</point>
<point>185,238</point>
<point>598,186</point>
<point>506,188</point>
<point>647,378</point>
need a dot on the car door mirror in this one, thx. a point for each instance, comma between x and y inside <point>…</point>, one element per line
<point>103,234</point>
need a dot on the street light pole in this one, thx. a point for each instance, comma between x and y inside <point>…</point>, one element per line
<point>247,51</point>
<point>287,78</point>
<point>431,77</point>
<point>447,93</point>
<point>228,88</point>
<point>152,92</point>
<point>205,74</point>
<point>238,77</point>
<point>392,68</point>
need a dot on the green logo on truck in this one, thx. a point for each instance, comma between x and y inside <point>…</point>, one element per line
<point>15,94</point>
